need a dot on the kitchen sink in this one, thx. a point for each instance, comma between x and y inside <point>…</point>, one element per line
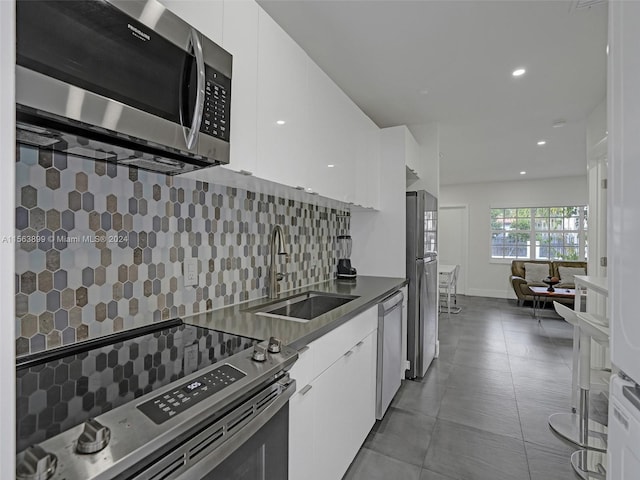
<point>302,308</point>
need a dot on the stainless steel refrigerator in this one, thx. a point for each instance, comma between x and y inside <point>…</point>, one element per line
<point>422,272</point>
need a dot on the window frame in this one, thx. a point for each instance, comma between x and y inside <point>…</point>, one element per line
<point>532,225</point>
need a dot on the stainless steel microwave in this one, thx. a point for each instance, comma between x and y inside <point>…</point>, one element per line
<point>125,81</point>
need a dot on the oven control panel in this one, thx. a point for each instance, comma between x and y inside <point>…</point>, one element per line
<point>167,405</point>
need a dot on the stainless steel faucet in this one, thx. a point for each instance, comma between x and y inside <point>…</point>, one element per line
<point>276,246</point>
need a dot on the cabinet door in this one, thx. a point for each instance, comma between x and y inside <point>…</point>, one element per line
<point>301,416</point>
<point>301,433</point>
<point>344,409</point>
<point>332,119</point>
<point>367,165</point>
<point>323,144</point>
<point>282,129</point>
<point>331,422</point>
<point>361,377</point>
<point>240,38</point>
<point>330,347</point>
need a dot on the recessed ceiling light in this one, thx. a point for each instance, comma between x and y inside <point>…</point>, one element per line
<point>542,142</point>
<point>523,173</point>
<point>280,122</point>
<point>518,72</point>
<point>331,165</point>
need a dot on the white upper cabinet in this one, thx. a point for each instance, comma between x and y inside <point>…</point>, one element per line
<point>400,143</point>
<point>322,143</point>
<point>412,155</point>
<point>240,38</point>
<point>204,16</point>
<point>332,147</point>
<point>283,127</point>
<point>367,165</point>
<point>344,150</point>
<point>290,123</point>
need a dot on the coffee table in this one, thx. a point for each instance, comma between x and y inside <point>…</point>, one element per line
<point>541,294</point>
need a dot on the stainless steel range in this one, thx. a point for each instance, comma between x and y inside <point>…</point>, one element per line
<point>161,402</point>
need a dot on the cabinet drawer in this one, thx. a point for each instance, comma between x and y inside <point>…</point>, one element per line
<point>302,370</point>
<point>330,347</point>
<point>301,434</point>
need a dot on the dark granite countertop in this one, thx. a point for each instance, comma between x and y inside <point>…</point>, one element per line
<point>235,319</point>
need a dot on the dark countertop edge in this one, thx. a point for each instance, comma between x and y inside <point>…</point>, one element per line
<point>213,318</point>
<point>323,330</point>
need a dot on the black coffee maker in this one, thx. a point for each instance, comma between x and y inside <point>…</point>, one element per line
<point>345,270</point>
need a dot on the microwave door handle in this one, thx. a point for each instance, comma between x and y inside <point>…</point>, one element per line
<point>191,134</point>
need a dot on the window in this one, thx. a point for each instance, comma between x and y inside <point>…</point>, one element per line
<point>547,233</point>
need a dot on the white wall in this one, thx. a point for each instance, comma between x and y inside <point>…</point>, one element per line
<point>379,237</point>
<point>597,126</point>
<point>490,278</point>
<point>7,213</point>
<point>597,173</point>
<point>427,136</point>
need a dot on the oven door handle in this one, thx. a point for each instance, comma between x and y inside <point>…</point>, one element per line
<point>220,454</point>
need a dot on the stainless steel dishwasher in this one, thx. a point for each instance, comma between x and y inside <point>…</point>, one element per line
<point>389,365</point>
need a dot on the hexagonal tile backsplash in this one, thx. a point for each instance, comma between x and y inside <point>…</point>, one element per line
<point>99,248</point>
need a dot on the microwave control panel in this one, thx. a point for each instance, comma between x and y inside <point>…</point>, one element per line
<point>217,104</point>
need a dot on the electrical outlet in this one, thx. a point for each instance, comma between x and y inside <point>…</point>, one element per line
<point>190,269</point>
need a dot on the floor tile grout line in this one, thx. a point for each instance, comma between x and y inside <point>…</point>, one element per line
<point>515,395</point>
<point>446,387</point>
<point>569,363</point>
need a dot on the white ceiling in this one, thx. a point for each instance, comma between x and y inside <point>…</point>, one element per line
<point>385,53</point>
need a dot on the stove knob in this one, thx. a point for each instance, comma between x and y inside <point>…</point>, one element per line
<point>94,437</point>
<point>36,464</point>
<point>259,353</point>
<point>275,345</point>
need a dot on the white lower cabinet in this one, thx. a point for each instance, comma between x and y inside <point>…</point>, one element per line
<point>301,433</point>
<point>331,414</point>
<point>344,410</point>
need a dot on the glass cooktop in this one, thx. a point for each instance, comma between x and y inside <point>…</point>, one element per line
<point>60,389</point>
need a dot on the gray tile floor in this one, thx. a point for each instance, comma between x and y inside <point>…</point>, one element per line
<point>481,411</point>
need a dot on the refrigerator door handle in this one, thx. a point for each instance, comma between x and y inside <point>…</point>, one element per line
<point>421,284</point>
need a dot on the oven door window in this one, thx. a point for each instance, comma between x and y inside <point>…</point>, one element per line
<point>264,456</point>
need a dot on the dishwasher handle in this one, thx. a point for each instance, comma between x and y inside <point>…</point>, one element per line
<point>391,303</point>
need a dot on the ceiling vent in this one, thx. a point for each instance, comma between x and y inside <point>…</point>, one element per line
<point>581,5</point>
